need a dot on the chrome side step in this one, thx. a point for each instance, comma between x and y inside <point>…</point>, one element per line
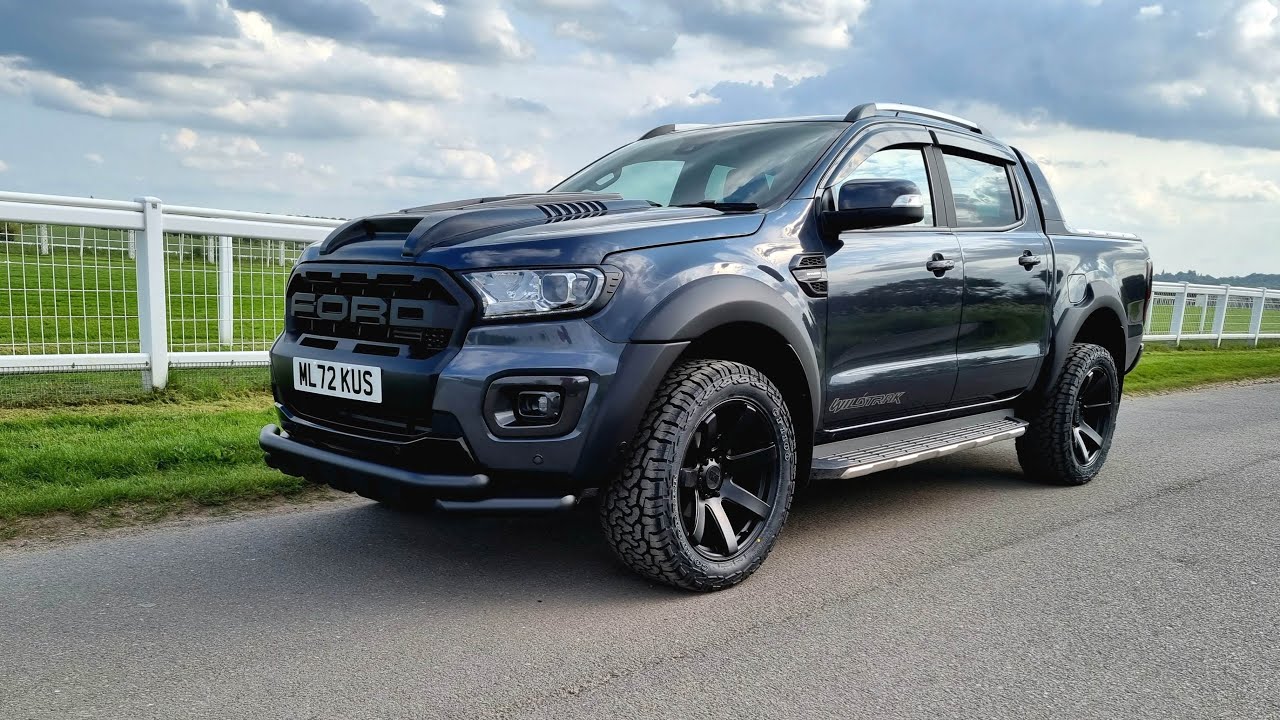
<point>864,456</point>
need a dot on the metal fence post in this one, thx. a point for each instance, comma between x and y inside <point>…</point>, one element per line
<point>226,290</point>
<point>1255,321</point>
<point>153,323</point>
<point>1220,317</point>
<point>1179,308</point>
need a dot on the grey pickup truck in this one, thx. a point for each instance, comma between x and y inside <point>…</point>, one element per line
<point>702,319</point>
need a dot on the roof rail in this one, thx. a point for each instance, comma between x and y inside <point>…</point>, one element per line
<point>668,129</point>
<point>867,110</point>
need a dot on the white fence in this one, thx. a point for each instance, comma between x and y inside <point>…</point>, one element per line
<point>1182,311</point>
<point>91,284</point>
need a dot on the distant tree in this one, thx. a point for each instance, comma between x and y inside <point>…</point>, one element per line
<point>1267,280</point>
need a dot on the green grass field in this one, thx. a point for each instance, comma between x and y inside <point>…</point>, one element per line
<point>64,302</point>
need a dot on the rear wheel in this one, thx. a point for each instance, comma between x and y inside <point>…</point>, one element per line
<point>710,478</point>
<point>1071,430</point>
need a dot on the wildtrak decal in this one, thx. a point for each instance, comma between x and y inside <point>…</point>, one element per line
<point>842,404</point>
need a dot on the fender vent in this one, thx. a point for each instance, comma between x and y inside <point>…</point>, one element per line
<point>557,212</point>
<point>810,270</point>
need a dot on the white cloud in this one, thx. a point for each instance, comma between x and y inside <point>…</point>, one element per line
<point>4,167</point>
<point>1208,185</point>
<point>445,163</point>
<point>1150,11</point>
<point>242,163</point>
<point>94,158</point>
<point>1257,23</point>
<point>216,153</point>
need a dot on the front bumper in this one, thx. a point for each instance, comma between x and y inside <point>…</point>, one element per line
<point>453,453</point>
<point>295,458</point>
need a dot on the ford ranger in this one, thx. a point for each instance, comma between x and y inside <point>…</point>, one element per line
<point>697,322</point>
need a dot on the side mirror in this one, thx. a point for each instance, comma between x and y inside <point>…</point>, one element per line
<point>865,204</point>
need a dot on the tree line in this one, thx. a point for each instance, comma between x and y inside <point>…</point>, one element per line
<point>1267,280</point>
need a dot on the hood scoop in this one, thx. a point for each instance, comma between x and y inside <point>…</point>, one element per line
<point>450,223</point>
<point>452,226</point>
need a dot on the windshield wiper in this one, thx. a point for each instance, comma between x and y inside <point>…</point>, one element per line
<point>723,206</point>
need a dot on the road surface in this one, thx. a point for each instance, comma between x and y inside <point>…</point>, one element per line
<point>952,588</point>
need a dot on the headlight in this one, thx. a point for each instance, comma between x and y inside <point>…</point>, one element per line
<point>512,293</point>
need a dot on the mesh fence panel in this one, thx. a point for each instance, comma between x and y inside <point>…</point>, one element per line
<point>252,313</point>
<point>1239,316</point>
<point>1271,316</point>
<point>67,289</point>
<point>1161,313</point>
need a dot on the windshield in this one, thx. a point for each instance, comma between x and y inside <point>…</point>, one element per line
<point>751,165</point>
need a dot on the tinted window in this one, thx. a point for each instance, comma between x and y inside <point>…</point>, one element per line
<point>759,164</point>
<point>653,180</point>
<point>897,164</point>
<point>982,192</point>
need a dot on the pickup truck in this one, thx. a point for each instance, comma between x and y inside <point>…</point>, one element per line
<point>703,319</point>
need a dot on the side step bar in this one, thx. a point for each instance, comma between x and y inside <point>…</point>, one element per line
<point>508,505</point>
<point>873,453</point>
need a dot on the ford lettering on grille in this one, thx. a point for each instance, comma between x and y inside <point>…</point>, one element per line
<point>397,312</point>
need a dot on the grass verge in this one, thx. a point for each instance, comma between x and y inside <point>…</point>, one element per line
<point>1174,369</point>
<point>77,460</point>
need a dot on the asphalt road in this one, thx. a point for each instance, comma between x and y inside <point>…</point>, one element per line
<point>949,589</point>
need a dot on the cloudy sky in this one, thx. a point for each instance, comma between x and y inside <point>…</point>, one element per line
<point>1157,118</point>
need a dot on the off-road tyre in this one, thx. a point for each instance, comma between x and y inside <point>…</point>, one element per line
<point>639,509</point>
<point>1048,452</point>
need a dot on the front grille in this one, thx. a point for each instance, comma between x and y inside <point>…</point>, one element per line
<point>377,338</point>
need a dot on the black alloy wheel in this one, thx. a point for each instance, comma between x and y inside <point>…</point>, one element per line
<point>729,479</point>
<point>1090,428</point>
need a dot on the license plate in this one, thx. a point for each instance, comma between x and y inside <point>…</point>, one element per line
<point>353,382</point>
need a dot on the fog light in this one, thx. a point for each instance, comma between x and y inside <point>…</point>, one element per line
<point>538,405</point>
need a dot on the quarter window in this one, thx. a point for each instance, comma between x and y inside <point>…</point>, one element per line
<point>898,164</point>
<point>982,193</point>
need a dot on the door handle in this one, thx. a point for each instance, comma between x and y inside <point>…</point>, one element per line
<point>939,265</point>
<point>1028,260</point>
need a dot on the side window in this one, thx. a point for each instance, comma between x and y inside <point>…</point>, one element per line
<point>897,164</point>
<point>653,180</point>
<point>983,195</point>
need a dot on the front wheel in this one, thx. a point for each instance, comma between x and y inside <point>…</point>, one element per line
<point>1071,429</point>
<point>709,481</point>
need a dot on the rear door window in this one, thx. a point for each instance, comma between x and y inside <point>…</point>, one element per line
<point>982,191</point>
